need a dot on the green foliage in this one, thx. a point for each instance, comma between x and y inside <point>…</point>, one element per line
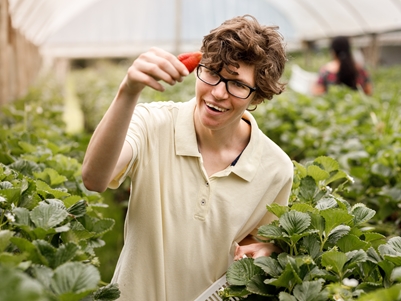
<point>50,225</point>
<point>362,133</point>
<point>328,252</point>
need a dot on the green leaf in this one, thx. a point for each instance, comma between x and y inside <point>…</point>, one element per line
<point>25,167</point>
<point>71,200</point>
<point>351,242</point>
<point>302,207</point>
<point>5,236</point>
<point>65,253</point>
<point>308,290</point>
<point>312,246</point>
<point>334,261</point>
<point>327,202</point>
<point>48,216</point>
<point>317,173</point>
<point>318,223</point>
<point>109,292</point>
<point>102,226</point>
<point>361,213</point>
<point>15,285</point>
<point>22,216</point>
<point>233,291</point>
<point>338,232</point>
<point>300,169</point>
<point>25,245</point>
<point>27,147</point>
<point>242,271</point>
<point>287,278</point>
<point>45,190</point>
<point>395,243</point>
<point>12,260</point>
<point>47,250</point>
<point>75,280</point>
<point>355,257</point>
<point>373,256</point>
<point>257,286</point>
<point>335,176</point>
<point>77,233</point>
<point>11,195</point>
<point>270,231</point>
<point>307,189</point>
<point>43,274</point>
<point>396,274</point>
<point>295,222</point>
<point>50,176</point>
<point>335,217</point>
<point>388,294</point>
<point>277,209</point>
<point>396,260</point>
<point>78,209</point>
<point>269,265</point>
<point>327,163</point>
<point>283,296</point>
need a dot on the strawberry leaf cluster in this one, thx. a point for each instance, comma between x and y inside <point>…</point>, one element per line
<point>329,249</point>
<point>50,225</point>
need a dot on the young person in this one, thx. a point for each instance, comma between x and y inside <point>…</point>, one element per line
<point>201,171</point>
<point>342,70</point>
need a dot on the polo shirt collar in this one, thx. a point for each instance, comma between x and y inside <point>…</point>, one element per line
<point>186,144</point>
<point>185,135</point>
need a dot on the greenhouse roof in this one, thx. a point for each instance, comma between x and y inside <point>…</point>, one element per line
<point>90,28</point>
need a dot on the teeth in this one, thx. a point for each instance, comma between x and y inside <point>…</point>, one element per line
<point>216,108</point>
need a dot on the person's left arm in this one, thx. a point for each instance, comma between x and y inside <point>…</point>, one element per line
<point>250,247</point>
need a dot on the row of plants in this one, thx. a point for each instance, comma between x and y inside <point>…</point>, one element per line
<point>50,225</point>
<point>362,133</point>
<point>340,233</point>
<point>330,252</point>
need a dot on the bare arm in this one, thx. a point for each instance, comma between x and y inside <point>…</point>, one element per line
<point>107,152</point>
<point>318,89</point>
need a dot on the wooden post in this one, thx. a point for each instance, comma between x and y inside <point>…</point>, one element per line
<point>374,51</point>
<point>20,59</point>
<point>4,23</point>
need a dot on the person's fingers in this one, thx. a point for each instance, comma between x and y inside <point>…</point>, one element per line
<point>167,62</point>
<point>242,252</point>
<point>154,66</point>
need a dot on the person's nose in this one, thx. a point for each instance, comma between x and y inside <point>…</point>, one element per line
<point>220,91</point>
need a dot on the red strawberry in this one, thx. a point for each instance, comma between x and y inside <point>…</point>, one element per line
<point>190,59</point>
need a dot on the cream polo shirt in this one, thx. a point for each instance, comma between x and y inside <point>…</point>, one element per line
<point>181,225</point>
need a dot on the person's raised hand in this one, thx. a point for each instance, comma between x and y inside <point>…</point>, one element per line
<point>150,68</point>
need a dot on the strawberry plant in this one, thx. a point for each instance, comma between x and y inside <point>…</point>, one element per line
<point>329,250</point>
<point>50,225</point>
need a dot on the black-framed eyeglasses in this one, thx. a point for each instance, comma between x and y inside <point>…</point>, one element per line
<point>234,87</point>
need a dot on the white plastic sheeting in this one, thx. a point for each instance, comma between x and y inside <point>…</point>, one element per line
<point>93,28</point>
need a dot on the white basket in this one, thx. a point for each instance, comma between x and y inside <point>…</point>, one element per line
<point>211,294</point>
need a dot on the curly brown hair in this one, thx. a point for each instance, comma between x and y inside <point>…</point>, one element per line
<point>244,39</point>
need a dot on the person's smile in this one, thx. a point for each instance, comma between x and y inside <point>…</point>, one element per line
<point>215,108</point>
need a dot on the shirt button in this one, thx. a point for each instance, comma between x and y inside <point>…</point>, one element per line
<point>207,184</point>
<point>203,202</point>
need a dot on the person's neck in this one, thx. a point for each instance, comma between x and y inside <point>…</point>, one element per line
<point>234,137</point>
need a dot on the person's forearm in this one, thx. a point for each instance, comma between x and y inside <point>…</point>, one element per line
<point>107,141</point>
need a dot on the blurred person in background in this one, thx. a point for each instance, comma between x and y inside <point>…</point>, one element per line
<point>342,70</point>
<point>201,171</point>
